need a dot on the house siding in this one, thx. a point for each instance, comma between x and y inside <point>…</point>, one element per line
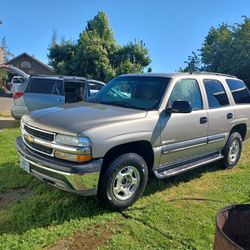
<point>30,66</point>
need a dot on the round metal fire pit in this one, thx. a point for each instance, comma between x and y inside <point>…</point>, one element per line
<point>233,228</point>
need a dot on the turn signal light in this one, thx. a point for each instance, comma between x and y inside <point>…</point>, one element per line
<point>72,157</point>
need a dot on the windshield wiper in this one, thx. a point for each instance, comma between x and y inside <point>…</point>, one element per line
<point>120,104</point>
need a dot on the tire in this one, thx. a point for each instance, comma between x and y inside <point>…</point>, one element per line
<point>232,151</point>
<point>123,182</point>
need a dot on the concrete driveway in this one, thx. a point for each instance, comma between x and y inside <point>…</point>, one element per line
<point>5,105</point>
<point>6,121</point>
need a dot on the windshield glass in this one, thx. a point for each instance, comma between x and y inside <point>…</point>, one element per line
<point>138,92</point>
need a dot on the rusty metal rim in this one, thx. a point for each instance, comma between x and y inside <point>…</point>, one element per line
<point>227,208</point>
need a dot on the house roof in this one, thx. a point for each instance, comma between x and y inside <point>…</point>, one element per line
<point>32,58</point>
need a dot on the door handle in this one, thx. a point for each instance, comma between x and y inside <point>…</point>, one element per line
<point>230,115</point>
<point>203,120</point>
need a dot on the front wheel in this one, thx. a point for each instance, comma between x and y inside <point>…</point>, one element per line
<point>232,150</point>
<point>123,182</point>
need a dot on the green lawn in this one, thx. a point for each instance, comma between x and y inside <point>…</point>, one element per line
<point>170,215</point>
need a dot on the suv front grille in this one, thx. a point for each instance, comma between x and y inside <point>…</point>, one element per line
<point>39,148</point>
<point>39,134</point>
<point>29,133</point>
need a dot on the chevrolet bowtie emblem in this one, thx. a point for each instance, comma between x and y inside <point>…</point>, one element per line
<point>29,138</point>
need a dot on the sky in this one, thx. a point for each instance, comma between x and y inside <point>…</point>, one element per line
<point>171,30</point>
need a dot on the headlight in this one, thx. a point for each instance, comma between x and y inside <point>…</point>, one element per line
<point>82,143</point>
<point>72,140</point>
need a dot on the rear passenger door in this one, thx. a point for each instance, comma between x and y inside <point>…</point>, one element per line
<point>220,114</point>
<point>44,93</point>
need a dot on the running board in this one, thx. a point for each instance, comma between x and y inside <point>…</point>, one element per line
<point>166,171</point>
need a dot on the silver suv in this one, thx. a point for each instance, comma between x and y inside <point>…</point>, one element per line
<point>161,123</point>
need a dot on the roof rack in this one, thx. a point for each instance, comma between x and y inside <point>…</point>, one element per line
<point>60,76</point>
<point>211,73</point>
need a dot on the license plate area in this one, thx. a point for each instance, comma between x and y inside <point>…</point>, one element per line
<point>24,164</point>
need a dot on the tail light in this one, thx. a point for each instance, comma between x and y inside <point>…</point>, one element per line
<point>17,95</point>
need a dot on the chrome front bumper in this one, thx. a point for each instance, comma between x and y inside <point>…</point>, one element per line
<point>82,179</point>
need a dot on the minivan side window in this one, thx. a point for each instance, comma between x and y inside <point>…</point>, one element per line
<point>187,90</point>
<point>216,94</point>
<point>239,90</point>
<point>46,86</point>
<point>95,86</point>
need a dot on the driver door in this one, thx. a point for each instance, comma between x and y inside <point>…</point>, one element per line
<point>184,135</point>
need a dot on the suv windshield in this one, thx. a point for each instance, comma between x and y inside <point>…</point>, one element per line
<point>138,92</point>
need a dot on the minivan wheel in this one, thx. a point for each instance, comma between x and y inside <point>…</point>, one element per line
<point>232,150</point>
<point>123,182</point>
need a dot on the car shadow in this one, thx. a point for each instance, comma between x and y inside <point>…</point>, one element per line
<point>156,185</point>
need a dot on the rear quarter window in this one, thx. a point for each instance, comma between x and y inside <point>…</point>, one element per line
<point>46,86</point>
<point>216,94</point>
<point>239,90</point>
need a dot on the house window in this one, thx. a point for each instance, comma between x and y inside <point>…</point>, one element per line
<point>25,65</point>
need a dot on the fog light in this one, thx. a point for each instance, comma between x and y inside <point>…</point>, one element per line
<point>72,157</point>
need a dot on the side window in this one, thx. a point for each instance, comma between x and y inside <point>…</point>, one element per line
<point>216,94</point>
<point>46,86</point>
<point>239,90</point>
<point>187,90</point>
<point>95,86</point>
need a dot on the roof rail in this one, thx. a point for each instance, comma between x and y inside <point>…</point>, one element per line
<point>211,73</point>
<point>59,76</point>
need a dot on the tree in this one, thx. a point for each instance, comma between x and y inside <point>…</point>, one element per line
<point>225,49</point>
<point>7,55</point>
<point>93,48</point>
<point>61,55</point>
<point>193,63</point>
<point>131,58</point>
<point>216,49</point>
<point>96,53</point>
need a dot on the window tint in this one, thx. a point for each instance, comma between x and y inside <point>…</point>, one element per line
<point>138,92</point>
<point>46,86</point>
<point>239,91</point>
<point>216,94</point>
<point>187,90</point>
<point>74,91</point>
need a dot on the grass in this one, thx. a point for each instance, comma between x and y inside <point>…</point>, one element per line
<point>175,213</point>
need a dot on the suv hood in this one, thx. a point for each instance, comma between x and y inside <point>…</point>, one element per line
<point>71,119</point>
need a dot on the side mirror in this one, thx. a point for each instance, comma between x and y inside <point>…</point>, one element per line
<point>180,107</point>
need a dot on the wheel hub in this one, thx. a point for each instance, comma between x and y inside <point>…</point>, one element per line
<point>126,183</point>
<point>234,151</point>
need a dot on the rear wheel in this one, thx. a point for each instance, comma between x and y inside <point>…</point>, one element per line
<point>123,182</point>
<point>232,150</point>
